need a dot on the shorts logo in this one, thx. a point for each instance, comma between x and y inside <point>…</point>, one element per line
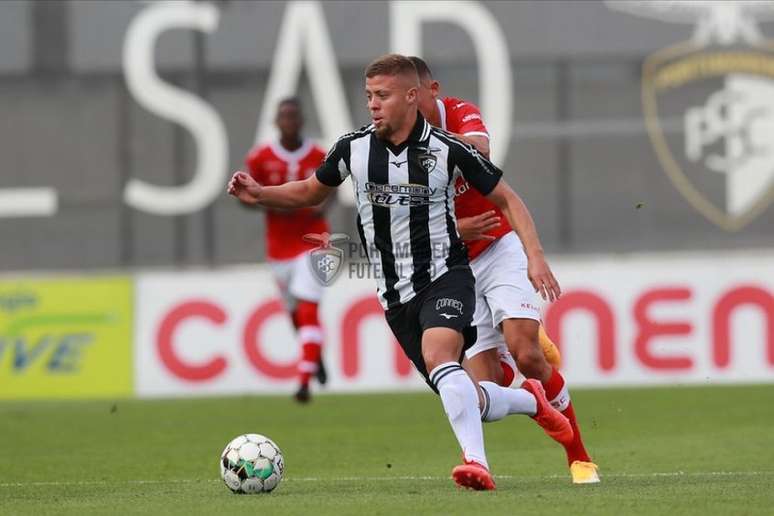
<point>719,87</point>
<point>530,306</point>
<point>326,259</point>
<point>447,302</point>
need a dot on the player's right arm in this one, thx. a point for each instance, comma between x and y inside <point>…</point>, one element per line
<point>294,194</point>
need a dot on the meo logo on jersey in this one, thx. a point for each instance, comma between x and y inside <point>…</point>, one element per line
<point>721,84</point>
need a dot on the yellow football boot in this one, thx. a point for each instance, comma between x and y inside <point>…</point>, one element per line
<point>584,472</point>
<point>550,350</point>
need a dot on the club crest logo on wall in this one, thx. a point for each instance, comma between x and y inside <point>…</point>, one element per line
<point>715,95</point>
<point>326,259</point>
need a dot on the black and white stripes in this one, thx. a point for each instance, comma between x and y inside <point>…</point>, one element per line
<point>442,371</point>
<point>405,201</point>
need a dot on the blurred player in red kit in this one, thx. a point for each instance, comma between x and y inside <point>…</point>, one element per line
<point>507,314</point>
<point>293,157</point>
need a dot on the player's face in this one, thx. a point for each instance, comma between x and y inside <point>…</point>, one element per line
<point>390,98</point>
<point>426,94</point>
<point>289,121</point>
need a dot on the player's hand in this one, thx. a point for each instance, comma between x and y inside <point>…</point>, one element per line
<point>475,228</point>
<point>244,187</point>
<point>542,278</point>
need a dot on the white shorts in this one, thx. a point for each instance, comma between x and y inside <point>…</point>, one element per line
<point>503,291</point>
<point>295,280</point>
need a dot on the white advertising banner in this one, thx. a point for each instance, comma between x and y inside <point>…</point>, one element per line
<point>638,320</point>
<point>665,319</point>
<point>226,332</point>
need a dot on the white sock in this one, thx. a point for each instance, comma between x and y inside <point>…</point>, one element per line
<point>460,401</point>
<point>502,401</point>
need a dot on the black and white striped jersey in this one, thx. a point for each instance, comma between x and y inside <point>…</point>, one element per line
<point>405,202</point>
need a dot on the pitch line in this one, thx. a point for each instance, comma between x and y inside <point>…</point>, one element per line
<point>387,479</point>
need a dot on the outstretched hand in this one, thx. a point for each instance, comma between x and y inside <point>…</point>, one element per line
<point>543,279</point>
<point>244,187</point>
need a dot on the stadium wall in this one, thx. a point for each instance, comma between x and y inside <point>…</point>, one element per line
<point>636,319</point>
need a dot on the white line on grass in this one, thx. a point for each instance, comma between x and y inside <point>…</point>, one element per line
<point>387,479</point>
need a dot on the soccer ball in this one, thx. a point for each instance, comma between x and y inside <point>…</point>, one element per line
<point>252,464</point>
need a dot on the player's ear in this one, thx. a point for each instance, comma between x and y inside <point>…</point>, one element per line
<point>411,95</point>
<point>435,89</point>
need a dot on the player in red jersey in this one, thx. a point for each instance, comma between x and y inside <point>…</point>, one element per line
<point>507,311</point>
<point>292,158</point>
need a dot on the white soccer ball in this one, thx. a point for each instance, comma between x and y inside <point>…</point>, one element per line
<point>252,464</point>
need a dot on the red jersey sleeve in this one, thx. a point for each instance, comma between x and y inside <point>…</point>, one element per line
<point>465,118</point>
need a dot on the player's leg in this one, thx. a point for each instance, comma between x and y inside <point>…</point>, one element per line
<point>550,350</point>
<point>445,316</point>
<point>481,359</point>
<point>521,335</point>
<point>514,306</point>
<point>491,364</point>
<point>307,292</point>
<point>488,360</point>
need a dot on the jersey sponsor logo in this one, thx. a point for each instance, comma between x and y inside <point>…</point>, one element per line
<point>447,302</point>
<point>461,188</point>
<point>471,116</point>
<point>721,86</point>
<point>391,195</point>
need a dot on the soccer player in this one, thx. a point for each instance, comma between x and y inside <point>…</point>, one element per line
<point>293,157</point>
<point>506,305</point>
<point>403,172</point>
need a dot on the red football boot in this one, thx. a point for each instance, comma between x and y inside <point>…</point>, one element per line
<point>553,422</point>
<point>473,475</point>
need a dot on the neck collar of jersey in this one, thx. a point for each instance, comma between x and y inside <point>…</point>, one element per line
<point>291,156</point>
<point>441,113</point>
<point>421,130</point>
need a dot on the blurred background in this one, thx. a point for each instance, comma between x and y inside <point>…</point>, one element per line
<point>638,133</point>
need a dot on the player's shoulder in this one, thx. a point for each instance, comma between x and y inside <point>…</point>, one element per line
<point>447,137</point>
<point>456,105</point>
<point>261,151</point>
<point>343,143</point>
<point>317,150</point>
<point>363,132</point>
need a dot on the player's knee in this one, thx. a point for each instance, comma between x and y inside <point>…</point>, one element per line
<point>434,357</point>
<point>531,361</point>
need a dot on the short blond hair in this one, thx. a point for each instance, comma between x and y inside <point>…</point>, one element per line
<point>392,64</point>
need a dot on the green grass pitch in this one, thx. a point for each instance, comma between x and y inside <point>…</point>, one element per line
<point>702,450</point>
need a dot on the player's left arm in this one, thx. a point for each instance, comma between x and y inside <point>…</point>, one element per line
<point>520,219</point>
<point>487,179</point>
